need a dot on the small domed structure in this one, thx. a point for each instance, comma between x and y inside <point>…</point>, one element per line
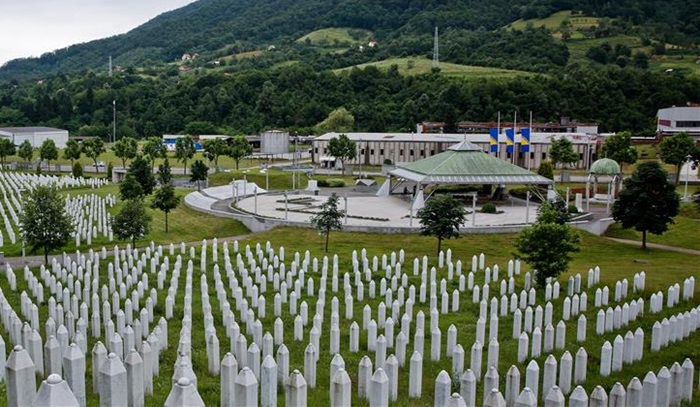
<point>605,166</point>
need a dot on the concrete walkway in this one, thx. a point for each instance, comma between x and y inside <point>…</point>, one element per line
<point>657,246</point>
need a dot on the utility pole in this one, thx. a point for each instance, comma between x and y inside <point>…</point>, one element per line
<point>436,53</point>
<point>114,121</point>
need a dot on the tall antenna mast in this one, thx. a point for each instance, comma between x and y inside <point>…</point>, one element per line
<point>436,53</point>
<point>110,65</point>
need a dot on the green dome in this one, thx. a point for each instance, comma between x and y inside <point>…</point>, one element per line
<point>605,166</point>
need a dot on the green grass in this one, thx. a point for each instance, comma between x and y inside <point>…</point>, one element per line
<point>333,36</point>
<point>579,47</point>
<point>277,180</point>
<point>686,65</point>
<point>616,261</point>
<point>554,21</point>
<point>421,65</point>
<point>683,233</point>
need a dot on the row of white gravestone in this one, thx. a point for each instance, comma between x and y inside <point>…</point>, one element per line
<point>674,329</point>
<point>613,319</point>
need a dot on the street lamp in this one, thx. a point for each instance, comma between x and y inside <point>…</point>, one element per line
<point>687,175</point>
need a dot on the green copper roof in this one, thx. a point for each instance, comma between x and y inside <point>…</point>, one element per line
<point>605,166</point>
<point>466,163</point>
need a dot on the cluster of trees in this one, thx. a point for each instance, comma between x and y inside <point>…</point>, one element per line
<point>299,97</point>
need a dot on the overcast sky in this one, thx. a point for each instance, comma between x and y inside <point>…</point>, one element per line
<point>33,27</point>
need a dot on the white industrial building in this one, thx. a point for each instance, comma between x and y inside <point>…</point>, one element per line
<point>35,135</point>
<point>376,148</point>
<point>676,119</point>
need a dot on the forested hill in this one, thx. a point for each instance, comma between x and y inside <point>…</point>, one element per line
<point>210,25</point>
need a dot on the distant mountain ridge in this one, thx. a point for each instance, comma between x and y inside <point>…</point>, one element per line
<point>208,25</point>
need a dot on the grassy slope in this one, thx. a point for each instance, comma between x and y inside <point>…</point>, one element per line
<point>616,261</point>
<point>683,233</point>
<point>554,21</point>
<point>331,36</point>
<point>423,65</point>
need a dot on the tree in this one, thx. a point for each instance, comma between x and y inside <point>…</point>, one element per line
<point>554,212</point>
<point>342,148</point>
<point>165,200</point>
<point>154,148</point>
<point>72,151</point>
<point>618,147</point>
<point>48,151</point>
<point>562,151</point>
<point>143,174</point>
<point>26,151</point>
<point>45,224</point>
<point>130,188</point>
<point>125,149</point>
<point>199,172</point>
<point>328,218</point>
<point>132,221</point>
<point>240,147</point>
<point>339,120</point>
<point>546,170</point>
<point>441,217</point>
<point>165,176</point>
<point>677,150</point>
<point>184,150</point>
<point>547,247</point>
<point>7,148</point>
<point>93,148</point>
<point>647,201</point>
<point>215,148</point>
<point>198,128</point>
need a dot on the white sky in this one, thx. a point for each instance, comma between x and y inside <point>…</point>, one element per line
<point>33,27</point>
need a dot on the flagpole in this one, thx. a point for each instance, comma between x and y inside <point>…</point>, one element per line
<point>529,144</point>
<point>515,130</point>
<point>498,132</point>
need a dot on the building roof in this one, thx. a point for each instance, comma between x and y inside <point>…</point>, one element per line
<point>535,138</point>
<point>466,163</point>
<point>605,166</point>
<point>30,130</point>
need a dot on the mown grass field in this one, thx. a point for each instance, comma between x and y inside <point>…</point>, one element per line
<point>683,233</point>
<point>554,21</point>
<point>616,261</point>
<point>421,65</point>
<point>335,36</point>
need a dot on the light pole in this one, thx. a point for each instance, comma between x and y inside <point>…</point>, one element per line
<point>114,121</point>
<point>687,175</point>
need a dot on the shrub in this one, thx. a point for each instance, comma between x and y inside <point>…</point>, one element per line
<point>546,170</point>
<point>38,169</point>
<point>489,208</point>
<point>77,170</point>
<point>387,161</point>
<point>109,170</point>
<point>331,183</point>
<point>573,209</point>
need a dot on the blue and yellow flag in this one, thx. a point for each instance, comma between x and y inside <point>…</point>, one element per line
<point>493,139</point>
<point>525,140</point>
<point>510,140</point>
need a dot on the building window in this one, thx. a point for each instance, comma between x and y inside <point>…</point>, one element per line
<point>532,156</point>
<point>411,152</point>
<point>381,151</point>
<point>508,155</point>
<point>688,123</point>
<point>401,152</point>
<point>362,151</point>
<point>580,157</point>
<point>316,150</point>
<point>371,151</point>
<point>432,152</point>
<point>422,153</point>
<point>544,156</point>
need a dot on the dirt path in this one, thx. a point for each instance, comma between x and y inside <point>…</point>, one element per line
<point>657,246</point>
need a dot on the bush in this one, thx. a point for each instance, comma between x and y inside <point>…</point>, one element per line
<point>546,170</point>
<point>109,170</point>
<point>573,209</point>
<point>489,208</point>
<point>331,183</point>
<point>38,169</point>
<point>77,170</point>
<point>387,161</point>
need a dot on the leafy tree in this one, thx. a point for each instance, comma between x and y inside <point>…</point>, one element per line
<point>93,148</point>
<point>164,199</point>
<point>26,151</point>
<point>342,148</point>
<point>7,148</point>
<point>142,172</point>
<point>213,149</point>
<point>554,212</point>
<point>647,201</point>
<point>198,128</point>
<point>48,151</point>
<point>132,221</point>
<point>125,149</point>
<point>618,147</point>
<point>441,217</point>
<point>153,148</point>
<point>199,172</point>
<point>165,176</point>
<point>339,120</point>
<point>77,170</point>
<point>329,218</point>
<point>562,151</point>
<point>677,150</point>
<point>546,170</point>
<point>240,148</point>
<point>547,247</point>
<point>45,224</point>
<point>184,150</point>
<point>130,188</point>
<point>72,151</point>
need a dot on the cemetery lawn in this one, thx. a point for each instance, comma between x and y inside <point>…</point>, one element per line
<point>616,261</point>
<point>184,225</point>
<point>683,233</point>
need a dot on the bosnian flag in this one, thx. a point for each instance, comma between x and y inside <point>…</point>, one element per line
<point>493,139</point>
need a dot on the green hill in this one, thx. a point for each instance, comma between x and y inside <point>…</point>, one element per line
<point>336,36</point>
<point>419,66</point>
